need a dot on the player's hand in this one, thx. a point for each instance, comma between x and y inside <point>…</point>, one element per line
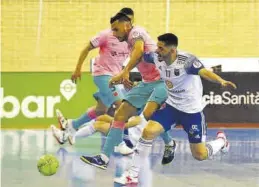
<point>76,75</point>
<point>126,81</point>
<point>115,80</point>
<point>226,84</point>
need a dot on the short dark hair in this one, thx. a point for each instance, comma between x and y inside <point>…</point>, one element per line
<point>119,16</point>
<point>127,11</point>
<point>168,39</point>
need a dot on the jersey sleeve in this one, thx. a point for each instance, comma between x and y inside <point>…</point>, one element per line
<point>98,40</point>
<point>193,66</point>
<point>150,57</point>
<point>135,36</point>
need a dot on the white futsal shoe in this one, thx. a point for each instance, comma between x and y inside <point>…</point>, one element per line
<point>63,122</point>
<point>71,138</point>
<point>123,149</point>
<point>226,146</point>
<point>66,131</point>
<point>126,178</point>
<point>59,135</point>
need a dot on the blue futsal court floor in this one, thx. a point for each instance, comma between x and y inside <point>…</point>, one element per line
<point>21,149</point>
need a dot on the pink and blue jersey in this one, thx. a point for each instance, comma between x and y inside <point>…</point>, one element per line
<point>112,54</point>
<point>148,71</point>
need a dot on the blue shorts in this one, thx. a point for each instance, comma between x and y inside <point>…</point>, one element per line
<point>106,94</point>
<point>193,124</point>
<point>139,95</point>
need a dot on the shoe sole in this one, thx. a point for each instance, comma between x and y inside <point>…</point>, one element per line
<point>70,140</point>
<point>59,115</point>
<point>87,162</point>
<point>125,184</point>
<point>60,126</point>
<point>128,154</point>
<point>225,139</point>
<point>225,151</point>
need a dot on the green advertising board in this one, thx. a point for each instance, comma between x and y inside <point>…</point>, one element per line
<point>29,100</point>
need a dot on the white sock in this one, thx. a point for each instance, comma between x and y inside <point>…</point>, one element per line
<point>143,122</point>
<point>142,151</point>
<point>214,146</point>
<point>85,131</point>
<point>143,118</point>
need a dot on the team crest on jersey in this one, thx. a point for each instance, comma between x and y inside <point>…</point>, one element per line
<point>169,84</point>
<point>197,64</point>
<point>135,34</point>
<point>176,72</point>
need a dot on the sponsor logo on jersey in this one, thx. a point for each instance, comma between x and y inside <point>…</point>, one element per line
<point>178,91</point>
<point>197,64</point>
<point>176,72</point>
<point>135,34</point>
<point>169,84</point>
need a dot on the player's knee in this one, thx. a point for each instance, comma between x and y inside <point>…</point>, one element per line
<point>200,155</point>
<point>97,125</point>
<point>104,117</point>
<point>149,133</point>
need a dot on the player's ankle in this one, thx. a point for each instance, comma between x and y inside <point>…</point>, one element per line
<point>104,158</point>
<point>72,124</point>
<point>171,143</point>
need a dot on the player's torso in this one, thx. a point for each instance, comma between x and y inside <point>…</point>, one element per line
<point>112,55</point>
<point>184,90</point>
<point>115,49</point>
<point>148,71</point>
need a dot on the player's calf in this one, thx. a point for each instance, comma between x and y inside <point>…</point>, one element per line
<point>142,151</point>
<point>200,154</point>
<point>87,130</point>
<point>203,151</point>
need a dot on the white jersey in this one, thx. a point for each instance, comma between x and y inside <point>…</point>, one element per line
<point>182,80</point>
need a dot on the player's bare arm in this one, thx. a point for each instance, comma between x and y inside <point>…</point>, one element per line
<point>137,52</point>
<point>82,57</point>
<point>135,56</point>
<point>209,75</point>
